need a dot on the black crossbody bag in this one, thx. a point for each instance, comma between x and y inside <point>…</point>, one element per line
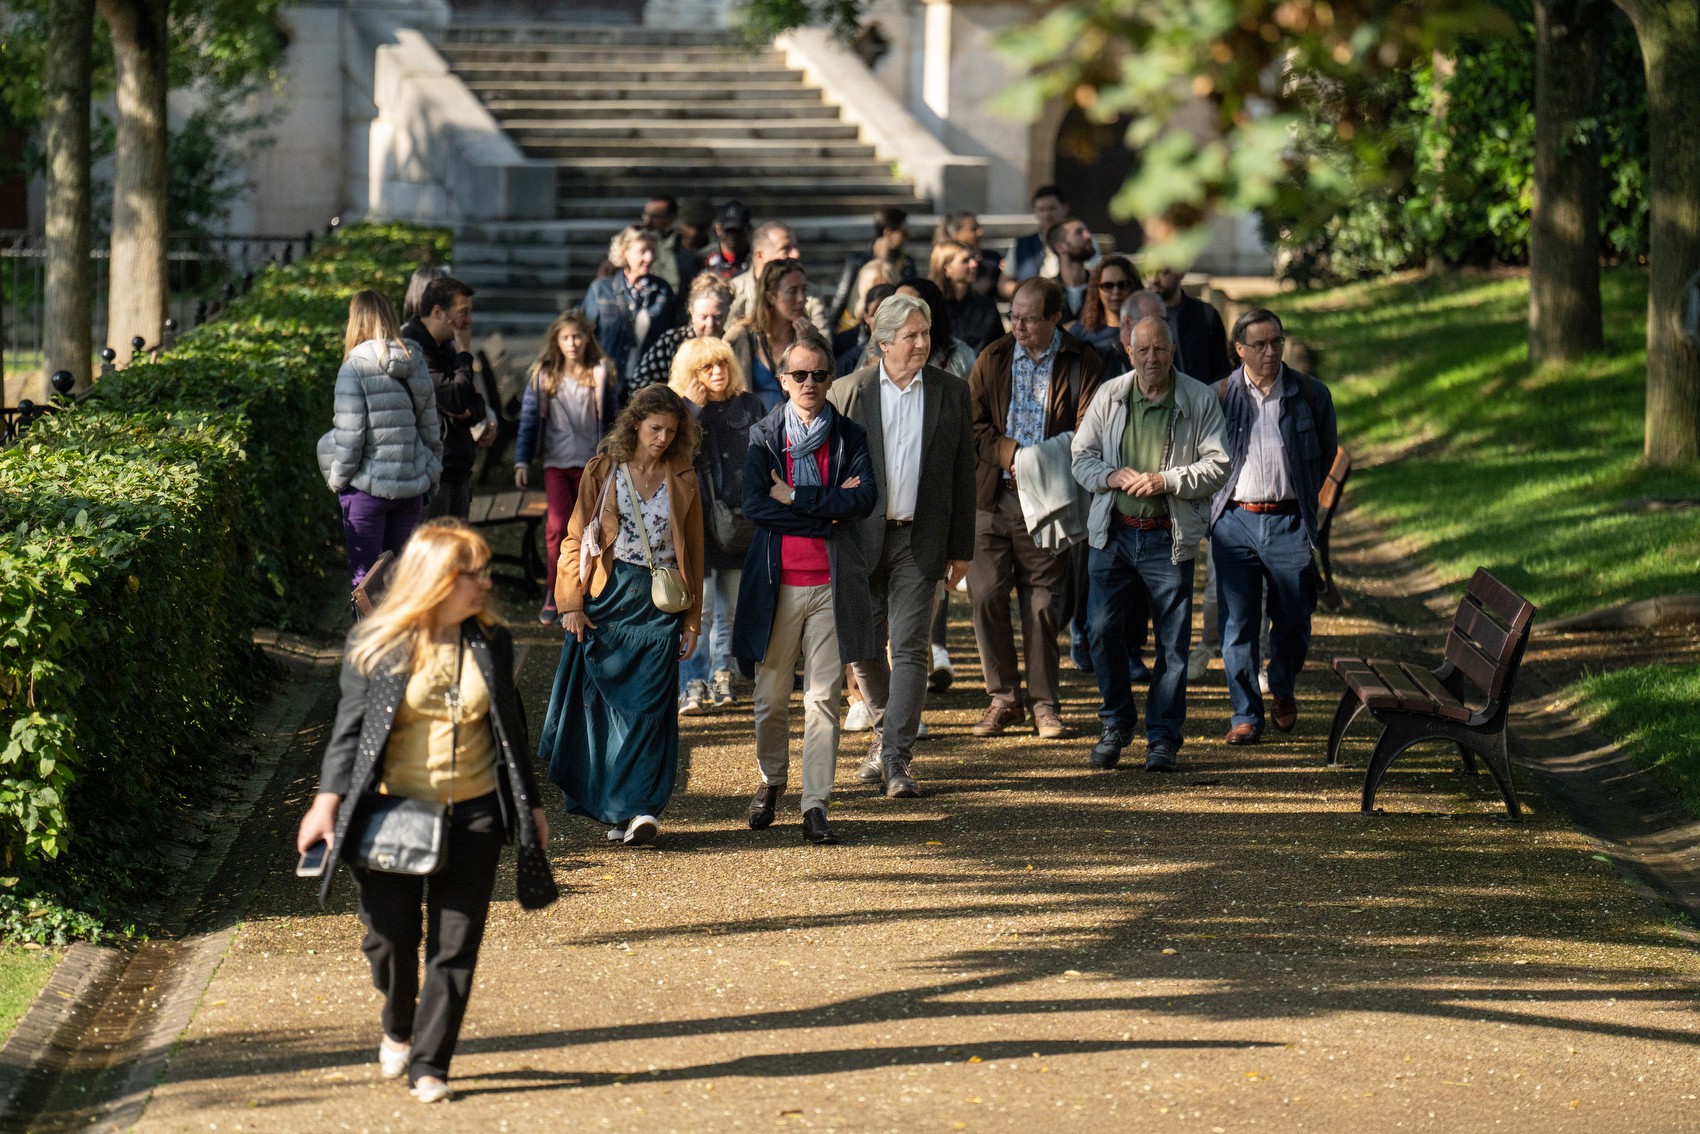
<point>396,835</point>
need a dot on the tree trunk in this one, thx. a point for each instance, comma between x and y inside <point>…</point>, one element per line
<point>1564,223</point>
<point>1669,31</point>
<point>138,290</point>
<point>68,338</point>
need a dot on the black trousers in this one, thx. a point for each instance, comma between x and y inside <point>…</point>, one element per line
<point>455,904</point>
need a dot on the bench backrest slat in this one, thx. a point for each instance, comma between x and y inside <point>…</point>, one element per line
<point>1488,633</point>
<point>1332,487</point>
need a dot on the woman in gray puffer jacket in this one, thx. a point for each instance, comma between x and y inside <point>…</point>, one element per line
<point>386,447</point>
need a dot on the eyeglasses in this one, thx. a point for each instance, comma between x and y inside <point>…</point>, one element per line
<point>482,574</point>
<point>1267,345</point>
<point>1115,285</point>
<point>818,377</point>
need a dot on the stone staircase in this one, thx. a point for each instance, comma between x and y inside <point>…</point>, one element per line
<point>624,113</point>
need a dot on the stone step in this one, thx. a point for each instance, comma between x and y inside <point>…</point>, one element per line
<point>609,58</point>
<point>761,110</point>
<point>763,206</point>
<point>704,153</point>
<point>653,134</point>
<point>737,185</point>
<point>677,93</point>
<point>733,170</point>
<point>529,35</point>
<point>685,80</point>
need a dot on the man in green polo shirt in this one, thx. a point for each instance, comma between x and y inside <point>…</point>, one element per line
<point>1150,449</point>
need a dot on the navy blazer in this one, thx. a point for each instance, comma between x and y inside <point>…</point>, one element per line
<point>817,511</point>
<point>1309,438</point>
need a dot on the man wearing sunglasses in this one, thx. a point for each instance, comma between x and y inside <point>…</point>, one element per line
<point>802,594</point>
<point>920,434</point>
<point>1281,440</point>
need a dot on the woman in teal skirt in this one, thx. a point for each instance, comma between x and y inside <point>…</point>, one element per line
<point>611,736</point>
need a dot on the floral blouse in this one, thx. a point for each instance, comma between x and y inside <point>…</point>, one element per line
<point>657,517</point>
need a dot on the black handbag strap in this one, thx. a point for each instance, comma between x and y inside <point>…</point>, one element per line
<point>452,697</point>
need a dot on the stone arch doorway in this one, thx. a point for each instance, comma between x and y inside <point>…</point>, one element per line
<point>1092,163</point>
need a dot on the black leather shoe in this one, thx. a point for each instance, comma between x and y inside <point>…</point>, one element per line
<point>815,829</point>
<point>872,770</point>
<point>898,782</point>
<point>1161,758</point>
<point>762,803</point>
<point>1107,753</point>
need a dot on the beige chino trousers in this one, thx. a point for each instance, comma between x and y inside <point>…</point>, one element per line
<point>802,624</point>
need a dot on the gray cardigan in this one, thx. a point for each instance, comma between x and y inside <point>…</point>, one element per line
<point>386,440</point>
<point>1195,461</point>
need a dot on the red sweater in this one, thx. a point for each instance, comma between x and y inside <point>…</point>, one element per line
<point>802,559</point>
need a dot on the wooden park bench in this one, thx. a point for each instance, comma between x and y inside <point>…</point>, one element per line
<point>1484,651</point>
<point>1327,503</point>
<point>528,507</point>
<point>373,586</point>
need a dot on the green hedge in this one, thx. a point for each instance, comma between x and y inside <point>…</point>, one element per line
<point>141,537</point>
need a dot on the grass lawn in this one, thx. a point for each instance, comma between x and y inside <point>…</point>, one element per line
<point>22,973</point>
<point>1651,710</point>
<point>1479,460</point>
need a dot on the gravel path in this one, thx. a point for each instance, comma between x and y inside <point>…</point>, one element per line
<point>1029,943</point>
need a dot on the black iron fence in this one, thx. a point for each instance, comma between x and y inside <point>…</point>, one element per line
<point>205,272</point>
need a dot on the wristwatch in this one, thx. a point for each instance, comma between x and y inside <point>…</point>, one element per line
<point>791,499</point>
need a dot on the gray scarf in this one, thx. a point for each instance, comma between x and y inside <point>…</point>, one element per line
<point>803,441</point>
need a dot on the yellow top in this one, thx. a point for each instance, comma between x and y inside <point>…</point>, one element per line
<point>416,761</point>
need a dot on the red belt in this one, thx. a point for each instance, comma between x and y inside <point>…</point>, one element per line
<point>1143,523</point>
<point>1271,507</point>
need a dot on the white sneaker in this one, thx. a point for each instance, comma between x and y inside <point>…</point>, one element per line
<point>921,731</point>
<point>941,675</point>
<point>641,831</point>
<point>393,1058</point>
<point>1263,682</point>
<point>1198,663</point>
<point>429,1090</point>
<point>617,833</point>
<point>858,719</point>
<point>696,695</point>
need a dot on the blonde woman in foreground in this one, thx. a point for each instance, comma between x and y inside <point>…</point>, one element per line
<point>428,712</point>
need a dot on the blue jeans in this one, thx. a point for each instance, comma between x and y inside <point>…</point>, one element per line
<point>1134,561</point>
<point>1249,550</point>
<point>719,608</point>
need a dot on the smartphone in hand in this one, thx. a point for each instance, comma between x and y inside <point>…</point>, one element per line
<point>312,864</point>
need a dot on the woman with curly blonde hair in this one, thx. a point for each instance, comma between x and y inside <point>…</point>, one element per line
<point>428,712</point>
<point>708,377</point>
<point>611,735</point>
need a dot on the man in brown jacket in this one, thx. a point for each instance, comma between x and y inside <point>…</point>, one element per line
<point>1030,385</point>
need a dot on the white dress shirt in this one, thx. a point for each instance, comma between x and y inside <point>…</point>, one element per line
<point>1263,477</point>
<point>900,414</point>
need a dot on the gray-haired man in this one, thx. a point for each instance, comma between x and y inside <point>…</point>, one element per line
<point>920,432</point>
<point>1150,451</point>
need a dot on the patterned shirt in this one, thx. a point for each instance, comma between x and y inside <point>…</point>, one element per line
<point>656,366</point>
<point>1030,394</point>
<point>724,266</point>
<point>657,517</point>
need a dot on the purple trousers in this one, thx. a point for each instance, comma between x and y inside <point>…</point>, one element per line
<point>372,525</point>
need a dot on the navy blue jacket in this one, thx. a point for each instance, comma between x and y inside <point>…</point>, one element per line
<point>816,511</point>
<point>1309,437</point>
<point>534,417</point>
<point>1028,257</point>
